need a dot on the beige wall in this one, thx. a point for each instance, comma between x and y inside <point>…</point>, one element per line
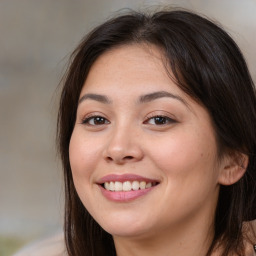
<point>35,38</point>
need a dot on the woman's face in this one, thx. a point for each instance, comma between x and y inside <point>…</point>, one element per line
<point>143,154</point>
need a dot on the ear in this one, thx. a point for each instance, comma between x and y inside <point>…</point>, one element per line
<point>233,167</point>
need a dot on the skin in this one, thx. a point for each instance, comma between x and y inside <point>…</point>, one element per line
<point>176,216</point>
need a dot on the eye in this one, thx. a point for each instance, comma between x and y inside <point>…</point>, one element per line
<point>95,120</point>
<point>159,120</point>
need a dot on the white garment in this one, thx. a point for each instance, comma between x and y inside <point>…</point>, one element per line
<point>51,246</point>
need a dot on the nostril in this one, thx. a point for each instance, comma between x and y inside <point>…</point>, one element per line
<point>120,156</point>
<point>128,157</point>
<point>109,158</point>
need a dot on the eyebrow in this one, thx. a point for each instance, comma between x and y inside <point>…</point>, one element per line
<point>142,99</point>
<point>160,94</point>
<point>96,97</point>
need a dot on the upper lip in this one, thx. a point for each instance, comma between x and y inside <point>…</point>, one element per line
<point>124,177</point>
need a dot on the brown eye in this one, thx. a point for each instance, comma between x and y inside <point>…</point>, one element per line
<point>95,120</point>
<point>160,120</point>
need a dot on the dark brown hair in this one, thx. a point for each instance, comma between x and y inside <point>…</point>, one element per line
<point>208,65</point>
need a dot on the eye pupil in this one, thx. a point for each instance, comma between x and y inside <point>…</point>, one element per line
<point>99,120</point>
<point>160,120</point>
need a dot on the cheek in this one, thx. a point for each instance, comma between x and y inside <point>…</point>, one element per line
<point>187,158</point>
<point>83,154</point>
<point>189,166</point>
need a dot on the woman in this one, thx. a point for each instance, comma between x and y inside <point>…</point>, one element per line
<point>156,131</point>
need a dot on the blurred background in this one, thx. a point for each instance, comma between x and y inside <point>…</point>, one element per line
<point>36,38</point>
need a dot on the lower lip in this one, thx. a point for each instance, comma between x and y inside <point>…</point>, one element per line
<point>121,196</point>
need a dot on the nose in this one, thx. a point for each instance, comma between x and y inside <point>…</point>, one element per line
<point>123,147</point>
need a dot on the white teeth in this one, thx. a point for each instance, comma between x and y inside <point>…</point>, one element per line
<point>118,186</point>
<point>127,185</point>
<point>112,186</point>
<point>135,185</point>
<point>106,186</point>
<point>149,185</point>
<point>142,185</point>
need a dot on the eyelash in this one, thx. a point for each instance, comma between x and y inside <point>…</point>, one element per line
<point>162,119</point>
<point>87,120</point>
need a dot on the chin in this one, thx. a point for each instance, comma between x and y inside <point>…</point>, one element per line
<point>124,227</point>
<point>126,232</point>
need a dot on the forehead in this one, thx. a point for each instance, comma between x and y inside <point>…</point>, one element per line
<point>131,54</point>
<point>137,65</point>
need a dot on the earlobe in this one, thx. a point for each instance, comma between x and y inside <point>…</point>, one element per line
<point>233,168</point>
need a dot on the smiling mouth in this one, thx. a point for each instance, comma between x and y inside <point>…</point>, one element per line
<point>126,186</point>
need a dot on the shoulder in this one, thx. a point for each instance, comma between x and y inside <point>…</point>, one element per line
<point>250,241</point>
<point>51,246</point>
